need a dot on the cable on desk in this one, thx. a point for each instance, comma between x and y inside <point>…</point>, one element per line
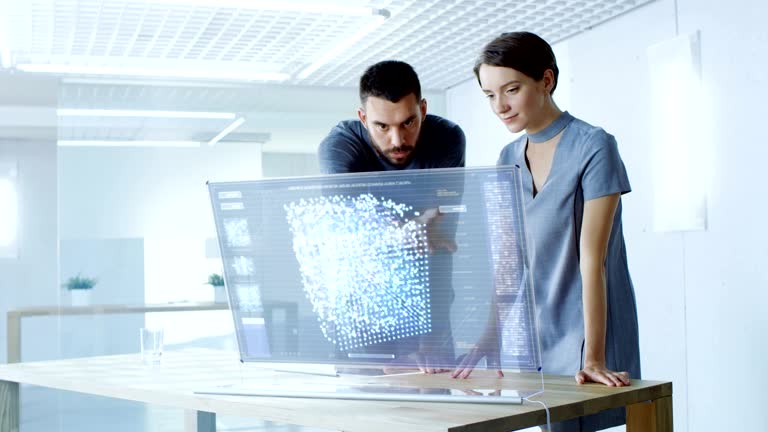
<point>546,409</point>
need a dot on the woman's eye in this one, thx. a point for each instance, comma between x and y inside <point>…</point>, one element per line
<point>512,90</point>
<point>489,96</point>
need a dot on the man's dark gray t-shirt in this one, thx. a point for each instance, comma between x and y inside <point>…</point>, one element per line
<point>348,148</point>
<point>441,144</point>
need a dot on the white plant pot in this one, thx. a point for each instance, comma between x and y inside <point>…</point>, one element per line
<point>80,297</point>
<point>219,294</point>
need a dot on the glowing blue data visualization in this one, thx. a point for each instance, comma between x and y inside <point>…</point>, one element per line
<point>363,267</point>
<point>386,269</point>
<point>237,232</point>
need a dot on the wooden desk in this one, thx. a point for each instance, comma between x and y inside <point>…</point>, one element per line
<point>182,372</point>
<point>14,317</point>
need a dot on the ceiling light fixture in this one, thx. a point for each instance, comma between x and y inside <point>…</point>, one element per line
<point>137,143</point>
<point>380,15</point>
<point>150,72</point>
<point>322,7</point>
<point>227,130</point>
<point>79,112</point>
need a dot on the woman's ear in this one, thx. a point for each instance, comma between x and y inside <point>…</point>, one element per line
<point>549,80</point>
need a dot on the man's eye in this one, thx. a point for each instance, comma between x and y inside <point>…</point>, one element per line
<point>382,127</point>
<point>409,122</point>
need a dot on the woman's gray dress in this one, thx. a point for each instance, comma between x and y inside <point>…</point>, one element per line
<point>586,165</point>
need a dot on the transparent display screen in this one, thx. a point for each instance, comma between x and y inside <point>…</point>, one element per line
<point>393,269</point>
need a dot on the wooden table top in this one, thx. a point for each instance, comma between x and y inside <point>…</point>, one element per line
<point>173,382</point>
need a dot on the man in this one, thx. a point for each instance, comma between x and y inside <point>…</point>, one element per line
<point>394,132</point>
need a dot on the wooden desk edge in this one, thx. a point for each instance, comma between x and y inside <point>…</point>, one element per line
<point>649,409</point>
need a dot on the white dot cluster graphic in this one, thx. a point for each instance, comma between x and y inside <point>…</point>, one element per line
<point>364,268</point>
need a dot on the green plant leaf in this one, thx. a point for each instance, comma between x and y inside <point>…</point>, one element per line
<point>80,282</point>
<point>215,279</point>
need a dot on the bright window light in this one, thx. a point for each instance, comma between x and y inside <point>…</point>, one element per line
<point>138,143</point>
<point>76,112</point>
<point>680,148</point>
<point>152,72</point>
<point>8,211</point>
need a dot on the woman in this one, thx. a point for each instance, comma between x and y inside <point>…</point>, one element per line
<point>573,178</point>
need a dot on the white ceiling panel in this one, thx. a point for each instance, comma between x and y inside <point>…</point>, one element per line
<point>239,39</point>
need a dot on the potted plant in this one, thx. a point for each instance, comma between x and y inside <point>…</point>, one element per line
<point>217,282</point>
<point>79,288</point>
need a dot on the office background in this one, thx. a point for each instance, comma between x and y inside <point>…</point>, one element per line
<point>138,218</point>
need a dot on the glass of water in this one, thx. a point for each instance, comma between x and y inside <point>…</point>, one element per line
<point>151,345</point>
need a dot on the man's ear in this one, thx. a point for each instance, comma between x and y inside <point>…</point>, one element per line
<point>361,116</point>
<point>423,108</point>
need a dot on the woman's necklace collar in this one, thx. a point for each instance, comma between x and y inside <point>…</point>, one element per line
<point>552,129</point>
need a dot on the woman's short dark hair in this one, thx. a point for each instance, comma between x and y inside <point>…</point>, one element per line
<point>391,80</point>
<point>522,51</point>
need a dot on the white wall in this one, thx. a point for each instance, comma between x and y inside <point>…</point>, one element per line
<point>725,272</point>
<point>700,295</point>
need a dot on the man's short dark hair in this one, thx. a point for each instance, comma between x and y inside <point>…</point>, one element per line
<point>391,80</point>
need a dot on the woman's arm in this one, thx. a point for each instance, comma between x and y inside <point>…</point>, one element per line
<point>595,232</point>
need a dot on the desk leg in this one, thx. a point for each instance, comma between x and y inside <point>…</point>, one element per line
<point>9,406</point>
<point>198,421</point>
<point>651,416</point>
<point>13,329</point>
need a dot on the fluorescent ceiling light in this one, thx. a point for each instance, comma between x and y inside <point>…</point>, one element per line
<point>381,16</point>
<point>227,130</point>
<point>77,112</point>
<point>325,7</point>
<point>151,72</point>
<point>139,143</point>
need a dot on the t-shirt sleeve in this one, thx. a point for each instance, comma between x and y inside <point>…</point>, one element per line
<point>604,172</point>
<point>456,158</point>
<point>505,156</point>
<point>339,151</point>
<point>443,144</point>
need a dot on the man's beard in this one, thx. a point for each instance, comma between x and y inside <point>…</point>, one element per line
<point>387,154</point>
